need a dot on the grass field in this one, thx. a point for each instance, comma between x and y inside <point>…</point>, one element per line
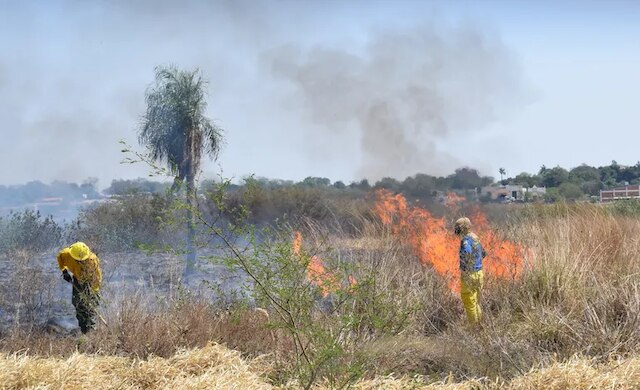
<point>215,366</point>
<point>568,319</point>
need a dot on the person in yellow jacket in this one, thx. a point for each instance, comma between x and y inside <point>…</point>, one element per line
<point>81,267</point>
<point>471,278</point>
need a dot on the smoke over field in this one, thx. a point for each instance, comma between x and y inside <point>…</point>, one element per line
<point>403,95</point>
<point>355,270</point>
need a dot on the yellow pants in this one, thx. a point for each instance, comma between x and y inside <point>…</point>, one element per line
<point>470,292</point>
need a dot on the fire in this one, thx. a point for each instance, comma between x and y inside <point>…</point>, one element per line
<point>316,272</point>
<point>437,246</point>
<point>454,199</point>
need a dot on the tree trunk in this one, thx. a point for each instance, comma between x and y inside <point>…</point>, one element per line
<point>191,226</point>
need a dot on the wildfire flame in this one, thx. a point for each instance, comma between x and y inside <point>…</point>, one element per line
<point>437,246</point>
<point>316,272</point>
<point>454,200</point>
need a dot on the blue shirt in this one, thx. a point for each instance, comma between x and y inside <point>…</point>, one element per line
<point>471,253</point>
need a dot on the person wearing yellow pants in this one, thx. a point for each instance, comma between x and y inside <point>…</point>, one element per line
<point>471,278</point>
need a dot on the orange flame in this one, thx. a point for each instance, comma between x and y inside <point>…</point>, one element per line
<point>437,246</point>
<point>316,273</point>
<point>454,201</point>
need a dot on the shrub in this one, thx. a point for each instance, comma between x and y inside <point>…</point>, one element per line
<point>258,203</point>
<point>28,231</point>
<point>27,293</point>
<point>124,223</point>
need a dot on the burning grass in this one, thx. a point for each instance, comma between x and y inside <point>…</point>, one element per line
<point>574,292</point>
<point>435,245</point>
<point>328,282</point>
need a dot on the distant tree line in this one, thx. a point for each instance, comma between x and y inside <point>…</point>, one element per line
<point>419,185</point>
<point>34,191</point>
<point>578,182</point>
<point>129,187</point>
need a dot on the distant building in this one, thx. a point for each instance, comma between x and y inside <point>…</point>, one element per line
<point>512,192</point>
<point>509,192</point>
<point>536,191</point>
<point>617,193</point>
<point>52,201</point>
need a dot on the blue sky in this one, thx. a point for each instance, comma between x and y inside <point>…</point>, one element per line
<point>326,88</point>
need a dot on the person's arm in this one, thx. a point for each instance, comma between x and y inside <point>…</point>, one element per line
<point>97,277</point>
<point>63,267</point>
<point>61,263</point>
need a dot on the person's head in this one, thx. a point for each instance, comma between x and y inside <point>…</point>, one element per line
<point>79,251</point>
<point>462,227</point>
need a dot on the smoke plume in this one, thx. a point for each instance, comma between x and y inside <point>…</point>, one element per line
<point>402,95</point>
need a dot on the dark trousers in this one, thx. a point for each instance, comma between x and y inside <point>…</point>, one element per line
<point>85,300</point>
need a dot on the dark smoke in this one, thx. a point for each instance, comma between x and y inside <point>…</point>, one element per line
<point>402,95</point>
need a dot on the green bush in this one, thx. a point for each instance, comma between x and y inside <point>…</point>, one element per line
<point>256,202</point>
<point>630,207</point>
<point>124,223</point>
<point>28,231</point>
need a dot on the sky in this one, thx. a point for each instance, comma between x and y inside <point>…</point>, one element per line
<point>337,89</point>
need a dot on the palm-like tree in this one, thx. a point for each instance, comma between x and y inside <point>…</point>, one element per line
<point>502,172</point>
<point>176,132</point>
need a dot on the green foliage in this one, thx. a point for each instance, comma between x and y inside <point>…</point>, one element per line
<point>125,223</point>
<point>525,179</point>
<point>325,333</point>
<point>176,132</point>
<point>316,181</point>
<point>419,185</point>
<point>570,191</point>
<point>502,172</point>
<point>592,187</point>
<point>628,207</point>
<point>584,173</point>
<point>552,195</point>
<point>554,177</point>
<point>28,231</point>
<point>264,202</point>
<point>128,187</point>
<point>362,185</point>
<point>467,178</point>
<point>174,127</point>
<point>388,183</point>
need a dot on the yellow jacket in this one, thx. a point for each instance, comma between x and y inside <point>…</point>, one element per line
<point>86,271</point>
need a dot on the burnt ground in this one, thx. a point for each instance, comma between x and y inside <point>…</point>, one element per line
<point>33,293</point>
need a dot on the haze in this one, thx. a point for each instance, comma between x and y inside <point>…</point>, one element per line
<point>338,89</point>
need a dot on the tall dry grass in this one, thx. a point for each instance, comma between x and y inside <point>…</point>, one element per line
<point>212,366</point>
<point>215,366</point>
<point>578,296</point>
<point>134,328</point>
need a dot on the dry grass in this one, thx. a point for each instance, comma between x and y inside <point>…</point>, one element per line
<point>579,296</point>
<point>215,366</point>
<point>139,331</point>
<point>576,374</point>
<point>582,374</point>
